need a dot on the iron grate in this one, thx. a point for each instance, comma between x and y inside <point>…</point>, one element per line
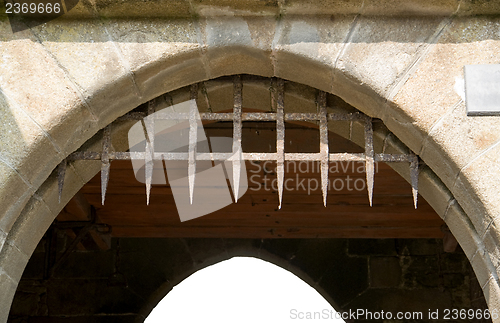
<point>324,157</point>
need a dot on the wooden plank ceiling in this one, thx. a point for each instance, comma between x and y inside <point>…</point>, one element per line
<point>256,215</point>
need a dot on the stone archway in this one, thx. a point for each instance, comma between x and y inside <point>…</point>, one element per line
<point>90,80</point>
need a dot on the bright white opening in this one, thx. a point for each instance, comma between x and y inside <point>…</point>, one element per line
<point>243,290</point>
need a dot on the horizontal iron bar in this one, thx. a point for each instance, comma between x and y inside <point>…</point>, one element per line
<point>354,116</point>
<point>302,116</point>
<point>246,116</point>
<point>246,156</point>
<point>347,157</point>
<point>392,158</point>
<point>84,155</point>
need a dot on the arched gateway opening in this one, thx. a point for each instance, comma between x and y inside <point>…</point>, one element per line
<point>303,149</point>
<point>244,289</point>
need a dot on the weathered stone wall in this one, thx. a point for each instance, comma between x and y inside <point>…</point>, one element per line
<point>125,282</point>
<point>63,81</point>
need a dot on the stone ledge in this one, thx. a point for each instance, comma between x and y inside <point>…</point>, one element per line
<point>205,8</point>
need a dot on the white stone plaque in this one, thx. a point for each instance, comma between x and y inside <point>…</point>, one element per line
<point>482,89</point>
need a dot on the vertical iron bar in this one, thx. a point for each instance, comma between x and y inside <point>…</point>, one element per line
<point>273,94</point>
<point>280,139</point>
<point>369,157</point>
<point>237,87</point>
<point>193,140</point>
<point>414,171</point>
<point>149,153</point>
<point>61,173</point>
<point>105,162</point>
<point>323,133</point>
<point>205,95</point>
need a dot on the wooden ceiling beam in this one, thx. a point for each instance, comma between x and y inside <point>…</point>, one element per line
<point>277,233</point>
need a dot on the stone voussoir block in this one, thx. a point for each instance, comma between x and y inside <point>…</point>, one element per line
<point>305,50</point>
<point>7,290</point>
<point>13,261</point>
<point>491,293</point>
<point>481,263</point>
<point>491,240</point>
<point>14,193</point>
<point>434,191</point>
<point>477,187</point>
<point>31,225</point>
<point>462,228</point>
<point>238,45</point>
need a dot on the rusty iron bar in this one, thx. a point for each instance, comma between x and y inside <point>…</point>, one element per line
<point>390,158</point>
<point>302,157</point>
<point>369,156</point>
<point>158,156</point>
<point>84,155</point>
<point>302,117</point>
<point>216,116</point>
<point>323,145</point>
<point>193,141</point>
<point>273,89</point>
<point>204,91</point>
<point>352,116</point>
<point>252,116</point>
<point>245,116</point>
<point>347,157</point>
<point>61,173</point>
<point>280,139</point>
<point>414,172</point>
<point>105,161</point>
<point>149,126</point>
<point>125,155</point>
<point>167,115</point>
<point>260,156</point>
<point>237,126</point>
<point>133,115</point>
